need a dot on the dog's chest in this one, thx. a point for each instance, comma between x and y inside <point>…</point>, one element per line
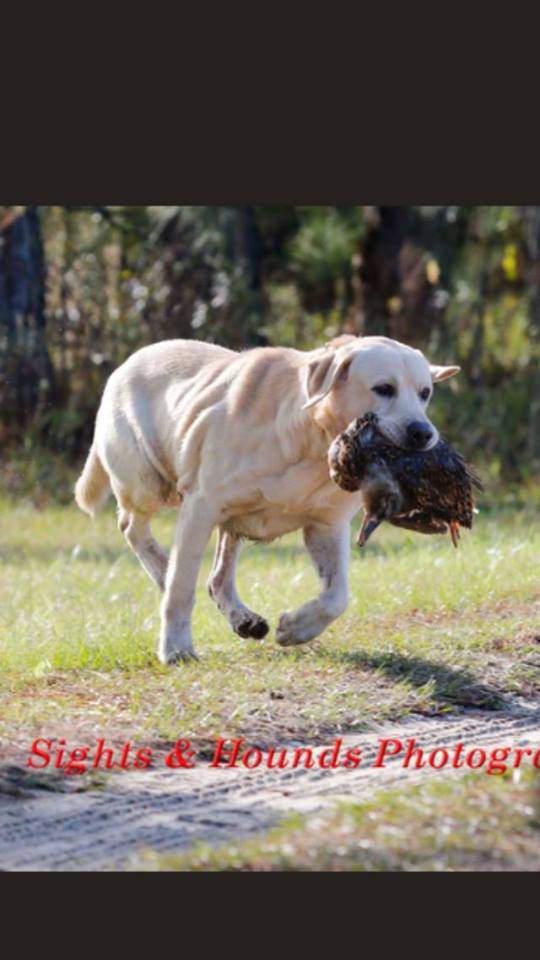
<point>262,525</point>
<point>280,506</point>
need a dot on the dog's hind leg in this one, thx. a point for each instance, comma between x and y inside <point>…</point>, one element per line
<point>136,528</point>
<point>222,589</point>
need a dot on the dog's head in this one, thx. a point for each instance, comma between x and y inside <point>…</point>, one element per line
<point>358,375</point>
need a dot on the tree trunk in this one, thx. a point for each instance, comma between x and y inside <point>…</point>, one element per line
<point>531,217</point>
<point>25,367</point>
<point>248,258</point>
<point>396,281</point>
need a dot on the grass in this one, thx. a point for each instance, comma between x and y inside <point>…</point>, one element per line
<point>428,629</point>
<point>476,823</point>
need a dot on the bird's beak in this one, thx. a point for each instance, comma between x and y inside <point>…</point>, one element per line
<point>369,525</point>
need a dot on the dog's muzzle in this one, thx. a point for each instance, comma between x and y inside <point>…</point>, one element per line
<point>418,435</point>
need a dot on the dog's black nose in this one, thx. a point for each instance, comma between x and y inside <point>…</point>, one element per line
<point>418,434</point>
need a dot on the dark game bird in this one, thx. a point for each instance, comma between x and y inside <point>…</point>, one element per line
<point>428,492</point>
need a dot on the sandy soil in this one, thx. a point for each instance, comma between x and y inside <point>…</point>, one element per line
<point>169,809</point>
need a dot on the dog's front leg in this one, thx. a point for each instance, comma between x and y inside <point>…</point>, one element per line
<point>222,589</point>
<point>196,521</point>
<point>329,549</point>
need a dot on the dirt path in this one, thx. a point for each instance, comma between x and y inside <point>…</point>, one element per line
<point>169,809</point>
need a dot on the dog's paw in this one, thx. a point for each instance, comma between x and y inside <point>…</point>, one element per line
<point>251,625</point>
<point>292,631</point>
<point>169,657</point>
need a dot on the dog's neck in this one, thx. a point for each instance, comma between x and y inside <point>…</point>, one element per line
<point>318,431</point>
<point>327,422</point>
<point>307,434</point>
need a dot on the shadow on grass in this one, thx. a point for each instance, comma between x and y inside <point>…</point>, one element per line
<point>451,685</point>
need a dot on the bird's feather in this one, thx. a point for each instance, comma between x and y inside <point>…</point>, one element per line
<point>425,491</point>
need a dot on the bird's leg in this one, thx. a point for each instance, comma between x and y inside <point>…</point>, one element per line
<point>454,532</point>
<point>382,500</point>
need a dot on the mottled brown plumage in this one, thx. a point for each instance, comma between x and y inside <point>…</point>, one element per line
<point>428,492</point>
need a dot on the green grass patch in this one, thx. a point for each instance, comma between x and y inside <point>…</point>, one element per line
<point>428,629</point>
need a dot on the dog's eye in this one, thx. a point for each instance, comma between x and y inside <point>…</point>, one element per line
<point>425,394</point>
<point>385,390</point>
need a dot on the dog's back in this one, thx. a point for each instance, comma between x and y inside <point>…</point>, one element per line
<point>133,443</point>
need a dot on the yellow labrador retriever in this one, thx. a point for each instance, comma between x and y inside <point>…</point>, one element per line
<point>239,441</point>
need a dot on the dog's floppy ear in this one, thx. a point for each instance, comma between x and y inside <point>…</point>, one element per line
<point>442,373</point>
<point>323,373</point>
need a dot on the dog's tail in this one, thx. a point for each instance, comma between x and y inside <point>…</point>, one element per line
<point>92,487</point>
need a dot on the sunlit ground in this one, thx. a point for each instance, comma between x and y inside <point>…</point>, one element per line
<point>428,629</point>
<point>475,823</point>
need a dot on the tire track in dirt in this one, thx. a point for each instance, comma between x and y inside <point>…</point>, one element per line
<point>170,809</point>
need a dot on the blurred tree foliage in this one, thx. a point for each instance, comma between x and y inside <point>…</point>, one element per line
<point>81,288</point>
